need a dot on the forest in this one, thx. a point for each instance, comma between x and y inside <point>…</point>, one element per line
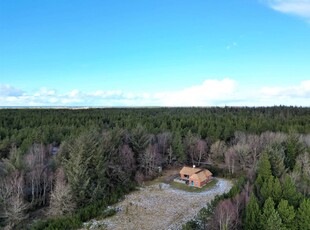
<point>62,167</point>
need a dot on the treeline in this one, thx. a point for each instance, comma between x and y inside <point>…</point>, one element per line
<point>274,192</point>
<point>68,165</point>
<point>22,127</point>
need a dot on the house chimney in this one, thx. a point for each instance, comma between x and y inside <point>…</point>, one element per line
<point>194,166</point>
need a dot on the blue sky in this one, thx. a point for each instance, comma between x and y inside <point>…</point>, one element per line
<point>154,53</point>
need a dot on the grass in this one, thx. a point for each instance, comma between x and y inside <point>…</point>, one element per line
<point>154,181</point>
<point>187,188</point>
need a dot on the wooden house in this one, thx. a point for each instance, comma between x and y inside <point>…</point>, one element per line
<point>195,176</point>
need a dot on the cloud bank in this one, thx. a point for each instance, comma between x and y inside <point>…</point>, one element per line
<point>211,92</point>
<point>299,8</point>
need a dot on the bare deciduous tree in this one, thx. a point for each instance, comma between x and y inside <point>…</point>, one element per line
<point>164,141</point>
<point>61,201</point>
<point>127,159</point>
<point>170,155</point>
<point>200,152</point>
<point>240,137</point>
<point>139,178</point>
<point>242,151</point>
<point>255,148</point>
<point>301,173</point>
<point>239,202</point>
<point>230,160</point>
<point>225,216</point>
<point>149,160</point>
<point>268,138</point>
<point>217,151</point>
<point>12,204</point>
<point>38,176</point>
<point>306,140</point>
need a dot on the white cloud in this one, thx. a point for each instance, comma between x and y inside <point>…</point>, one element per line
<point>53,100</point>
<point>74,93</point>
<point>106,94</point>
<point>7,90</point>
<point>298,91</point>
<point>299,8</point>
<point>45,92</point>
<point>211,92</point>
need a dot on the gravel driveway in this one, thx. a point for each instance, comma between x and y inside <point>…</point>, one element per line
<point>160,207</point>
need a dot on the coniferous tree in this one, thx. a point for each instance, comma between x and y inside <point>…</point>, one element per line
<point>266,190</point>
<point>276,157</point>
<point>258,185</point>
<point>277,190</point>
<point>287,214</point>
<point>270,219</point>
<point>289,191</point>
<point>264,167</point>
<point>116,157</point>
<point>76,168</point>
<point>86,169</point>
<point>252,214</point>
<point>267,185</point>
<point>14,162</point>
<point>293,148</point>
<point>178,148</point>
<point>303,214</point>
<point>271,188</point>
<point>139,140</point>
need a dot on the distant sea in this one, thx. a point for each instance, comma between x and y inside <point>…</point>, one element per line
<point>77,107</point>
<point>47,107</point>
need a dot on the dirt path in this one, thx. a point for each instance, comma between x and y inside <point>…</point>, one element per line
<point>161,207</point>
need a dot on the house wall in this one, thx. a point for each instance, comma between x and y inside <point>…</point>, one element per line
<point>183,177</point>
<point>200,183</point>
<point>196,183</point>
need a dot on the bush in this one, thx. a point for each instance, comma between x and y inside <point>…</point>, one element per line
<point>60,223</point>
<point>84,214</point>
<point>191,225</point>
<point>236,188</point>
<point>206,212</point>
<point>218,172</point>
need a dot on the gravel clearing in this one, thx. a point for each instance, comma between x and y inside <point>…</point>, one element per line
<point>159,207</point>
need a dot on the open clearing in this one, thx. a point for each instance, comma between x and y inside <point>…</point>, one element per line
<point>159,206</point>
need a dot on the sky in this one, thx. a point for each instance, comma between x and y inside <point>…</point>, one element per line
<point>115,53</point>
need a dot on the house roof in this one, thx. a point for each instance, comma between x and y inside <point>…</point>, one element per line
<point>189,170</point>
<point>200,176</point>
<point>196,173</point>
<point>207,173</point>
